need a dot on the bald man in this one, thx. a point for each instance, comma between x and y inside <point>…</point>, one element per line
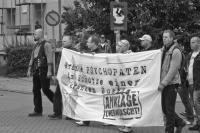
<point>194,78</point>
<point>41,67</point>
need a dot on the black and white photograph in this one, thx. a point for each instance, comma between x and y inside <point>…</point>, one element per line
<point>99,66</point>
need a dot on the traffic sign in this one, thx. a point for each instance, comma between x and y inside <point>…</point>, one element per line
<point>52,18</point>
<point>118,15</point>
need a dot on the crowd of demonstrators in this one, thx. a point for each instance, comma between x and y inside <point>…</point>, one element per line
<point>180,70</point>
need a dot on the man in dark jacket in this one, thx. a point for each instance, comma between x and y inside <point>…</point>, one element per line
<point>184,88</point>
<point>41,66</point>
<point>194,77</point>
<point>57,102</point>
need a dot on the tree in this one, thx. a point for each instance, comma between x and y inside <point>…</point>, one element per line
<point>144,16</point>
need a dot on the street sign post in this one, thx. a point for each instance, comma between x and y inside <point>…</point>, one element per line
<point>118,17</point>
<point>52,19</point>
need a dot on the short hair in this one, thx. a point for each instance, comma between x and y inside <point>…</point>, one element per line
<point>68,35</point>
<point>125,43</point>
<point>95,39</point>
<point>171,33</point>
<point>197,38</point>
<point>180,39</point>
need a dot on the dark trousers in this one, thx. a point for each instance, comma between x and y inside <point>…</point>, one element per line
<point>168,105</point>
<point>184,95</point>
<point>40,80</point>
<point>57,101</point>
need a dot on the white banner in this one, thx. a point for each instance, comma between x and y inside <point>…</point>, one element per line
<point>119,89</point>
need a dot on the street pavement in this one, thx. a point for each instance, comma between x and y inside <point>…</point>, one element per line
<point>16,101</point>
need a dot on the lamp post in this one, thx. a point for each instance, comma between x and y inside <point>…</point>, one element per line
<point>60,26</point>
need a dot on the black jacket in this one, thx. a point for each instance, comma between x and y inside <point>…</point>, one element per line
<point>196,70</point>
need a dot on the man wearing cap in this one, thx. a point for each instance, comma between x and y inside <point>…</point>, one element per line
<point>146,42</point>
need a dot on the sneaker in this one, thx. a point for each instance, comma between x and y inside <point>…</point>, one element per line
<point>195,127</point>
<point>188,122</point>
<point>34,114</point>
<point>125,129</point>
<point>55,117</point>
<point>82,123</point>
<point>180,127</point>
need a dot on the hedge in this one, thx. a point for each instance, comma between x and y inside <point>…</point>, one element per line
<point>17,60</point>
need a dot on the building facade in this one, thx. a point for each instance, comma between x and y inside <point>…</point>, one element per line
<point>19,18</point>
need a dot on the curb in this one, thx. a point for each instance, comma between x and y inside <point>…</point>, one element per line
<point>16,91</point>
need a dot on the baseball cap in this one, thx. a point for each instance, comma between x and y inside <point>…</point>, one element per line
<point>146,37</point>
<point>102,36</point>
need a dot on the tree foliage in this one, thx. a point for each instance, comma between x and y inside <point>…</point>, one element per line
<point>144,16</point>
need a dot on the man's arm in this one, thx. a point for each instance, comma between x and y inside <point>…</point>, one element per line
<point>174,67</point>
<point>49,54</point>
<point>30,65</point>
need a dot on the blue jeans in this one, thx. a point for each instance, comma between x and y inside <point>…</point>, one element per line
<point>169,95</point>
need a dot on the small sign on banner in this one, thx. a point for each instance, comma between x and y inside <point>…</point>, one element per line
<point>118,15</point>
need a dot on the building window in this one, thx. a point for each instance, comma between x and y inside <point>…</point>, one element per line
<point>11,16</point>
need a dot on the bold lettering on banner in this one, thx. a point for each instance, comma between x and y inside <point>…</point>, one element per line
<point>74,67</point>
<point>144,69</point>
<point>114,71</point>
<point>109,71</point>
<point>123,83</point>
<point>110,83</point>
<point>123,105</point>
<point>100,72</point>
<point>121,72</point>
<point>104,71</point>
<point>136,71</point>
<point>128,71</point>
<point>129,83</point>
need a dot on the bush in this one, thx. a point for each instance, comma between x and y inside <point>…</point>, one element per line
<point>17,60</point>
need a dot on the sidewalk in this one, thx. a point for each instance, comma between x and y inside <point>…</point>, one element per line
<point>16,106</point>
<point>20,85</point>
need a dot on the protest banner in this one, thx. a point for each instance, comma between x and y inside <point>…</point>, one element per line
<point>119,89</point>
